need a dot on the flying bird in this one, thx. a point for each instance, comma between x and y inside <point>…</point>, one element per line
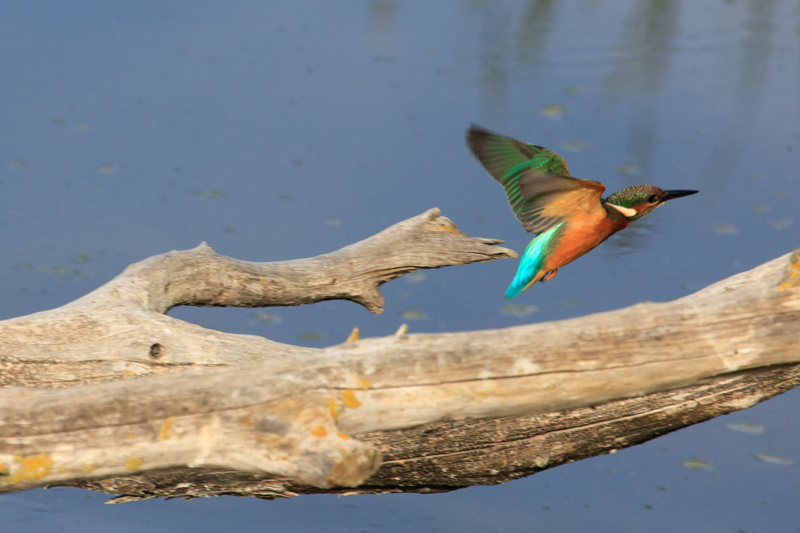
<point>568,215</point>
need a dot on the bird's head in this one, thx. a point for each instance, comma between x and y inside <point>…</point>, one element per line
<point>639,201</point>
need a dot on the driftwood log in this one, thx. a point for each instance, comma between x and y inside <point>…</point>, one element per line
<point>211,413</point>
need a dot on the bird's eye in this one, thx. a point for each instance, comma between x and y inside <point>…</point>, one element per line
<point>653,199</point>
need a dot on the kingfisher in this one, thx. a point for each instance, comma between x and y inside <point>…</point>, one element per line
<point>568,215</point>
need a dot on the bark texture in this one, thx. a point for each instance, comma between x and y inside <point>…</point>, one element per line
<point>213,413</point>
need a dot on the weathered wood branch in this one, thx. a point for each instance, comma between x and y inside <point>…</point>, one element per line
<point>448,455</point>
<point>430,412</point>
<point>119,330</point>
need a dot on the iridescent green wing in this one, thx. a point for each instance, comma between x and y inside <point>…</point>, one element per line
<point>536,180</point>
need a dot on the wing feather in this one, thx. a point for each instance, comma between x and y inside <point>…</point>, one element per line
<point>540,189</point>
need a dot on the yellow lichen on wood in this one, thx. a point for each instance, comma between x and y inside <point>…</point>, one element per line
<point>363,383</point>
<point>33,468</point>
<point>165,432</point>
<point>792,277</point>
<point>450,227</point>
<point>349,398</point>
<point>319,431</point>
<point>333,407</point>
<point>353,336</point>
<point>134,463</point>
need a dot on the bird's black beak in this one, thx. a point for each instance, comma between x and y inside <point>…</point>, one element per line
<point>676,194</point>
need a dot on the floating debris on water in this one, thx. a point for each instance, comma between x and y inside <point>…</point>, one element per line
<point>753,429</point>
<point>553,110</point>
<point>774,459</point>
<point>264,316</point>
<point>412,314</point>
<point>57,270</point>
<point>782,223</point>
<point>518,310</point>
<point>696,464</point>
<point>415,277</point>
<point>213,193</point>
<point>576,146</point>
<point>723,228</point>
<point>312,336</point>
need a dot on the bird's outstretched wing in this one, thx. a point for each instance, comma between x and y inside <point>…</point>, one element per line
<point>540,190</point>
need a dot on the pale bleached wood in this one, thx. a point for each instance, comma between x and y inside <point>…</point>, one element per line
<point>448,455</point>
<point>119,330</point>
<point>294,416</point>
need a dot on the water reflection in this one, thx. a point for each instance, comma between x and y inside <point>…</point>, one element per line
<point>496,61</point>
<point>381,15</point>
<point>642,60</point>
<point>743,68</point>
<point>536,22</point>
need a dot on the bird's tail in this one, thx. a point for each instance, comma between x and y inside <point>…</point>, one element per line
<point>524,279</point>
<point>530,266</point>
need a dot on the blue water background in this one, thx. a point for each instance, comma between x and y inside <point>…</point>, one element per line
<point>278,130</point>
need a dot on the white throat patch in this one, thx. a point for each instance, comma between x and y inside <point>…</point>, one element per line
<point>626,211</point>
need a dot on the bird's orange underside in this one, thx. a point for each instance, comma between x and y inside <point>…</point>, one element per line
<point>582,232</point>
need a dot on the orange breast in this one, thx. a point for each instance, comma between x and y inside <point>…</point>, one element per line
<point>581,234</point>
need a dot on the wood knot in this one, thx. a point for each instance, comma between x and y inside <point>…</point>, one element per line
<point>156,351</point>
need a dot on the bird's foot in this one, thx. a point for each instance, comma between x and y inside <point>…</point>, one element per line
<point>550,275</point>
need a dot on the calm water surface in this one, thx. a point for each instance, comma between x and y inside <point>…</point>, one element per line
<point>288,129</point>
